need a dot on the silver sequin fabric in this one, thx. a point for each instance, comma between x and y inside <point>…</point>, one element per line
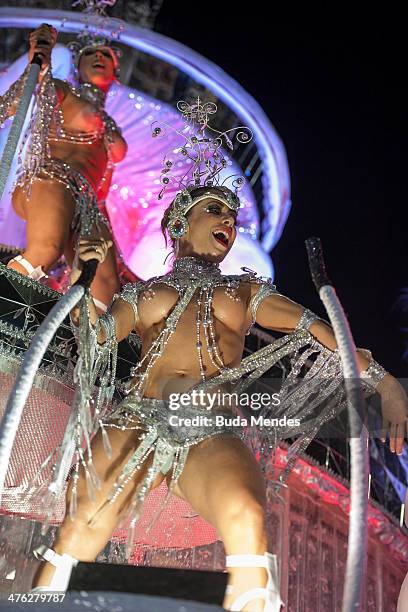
<point>87,214</point>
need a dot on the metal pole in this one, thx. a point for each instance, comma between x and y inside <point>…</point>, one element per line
<point>18,121</point>
<point>31,361</point>
<point>357,538</point>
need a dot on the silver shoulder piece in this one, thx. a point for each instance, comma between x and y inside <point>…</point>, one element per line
<point>130,293</point>
<point>266,289</point>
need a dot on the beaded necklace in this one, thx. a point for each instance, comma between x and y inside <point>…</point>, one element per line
<point>91,93</point>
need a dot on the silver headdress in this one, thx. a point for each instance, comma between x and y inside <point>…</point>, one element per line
<point>93,34</point>
<point>202,145</point>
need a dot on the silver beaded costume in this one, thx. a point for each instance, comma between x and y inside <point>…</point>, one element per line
<point>87,213</point>
<point>315,397</point>
<point>47,125</point>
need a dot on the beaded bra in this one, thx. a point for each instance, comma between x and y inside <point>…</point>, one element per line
<point>89,93</point>
<point>47,125</point>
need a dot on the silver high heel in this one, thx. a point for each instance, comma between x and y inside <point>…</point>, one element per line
<point>270,593</point>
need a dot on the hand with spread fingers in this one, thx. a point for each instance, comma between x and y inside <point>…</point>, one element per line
<point>42,41</point>
<point>394,410</point>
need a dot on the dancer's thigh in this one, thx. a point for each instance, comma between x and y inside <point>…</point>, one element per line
<point>49,213</point>
<point>402,605</point>
<point>219,472</point>
<point>123,443</point>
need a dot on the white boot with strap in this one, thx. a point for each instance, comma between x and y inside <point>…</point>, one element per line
<point>63,564</point>
<point>270,593</point>
<point>34,273</point>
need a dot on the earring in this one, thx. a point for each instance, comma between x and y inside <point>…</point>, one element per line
<point>177,227</point>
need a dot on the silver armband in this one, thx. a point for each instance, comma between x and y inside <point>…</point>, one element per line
<point>130,293</point>
<point>306,320</point>
<point>107,322</point>
<point>374,373</point>
<point>265,290</point>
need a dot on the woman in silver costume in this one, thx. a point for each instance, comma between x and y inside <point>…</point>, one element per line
<point>192,323</point>
<point>69,163</point>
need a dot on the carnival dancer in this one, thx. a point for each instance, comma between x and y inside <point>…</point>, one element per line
<point>192,323</point>
<point>68,167</point>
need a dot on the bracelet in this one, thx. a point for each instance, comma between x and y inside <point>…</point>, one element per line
<point>374,373</point>
<point>308,317</point>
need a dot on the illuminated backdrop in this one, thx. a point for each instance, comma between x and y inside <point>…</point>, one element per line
<point>132,204</point>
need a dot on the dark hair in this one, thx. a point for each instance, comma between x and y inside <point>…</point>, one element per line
<point>195,193</point>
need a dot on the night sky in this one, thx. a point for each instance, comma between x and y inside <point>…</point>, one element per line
<point>335,94</point>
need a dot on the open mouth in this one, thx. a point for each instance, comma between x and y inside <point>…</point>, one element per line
<point>98,65</point>
<point>222,236</point>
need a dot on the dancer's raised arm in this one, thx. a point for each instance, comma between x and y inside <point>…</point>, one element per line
<point>122,311</point>
<point>42,41</point>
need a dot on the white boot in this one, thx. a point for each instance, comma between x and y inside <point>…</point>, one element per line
<point>63,564</point>
<point>270,593</point>
<point>34,273</point>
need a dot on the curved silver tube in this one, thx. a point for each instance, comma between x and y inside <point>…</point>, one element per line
<point>357,538</point>
<point>17,125</point>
